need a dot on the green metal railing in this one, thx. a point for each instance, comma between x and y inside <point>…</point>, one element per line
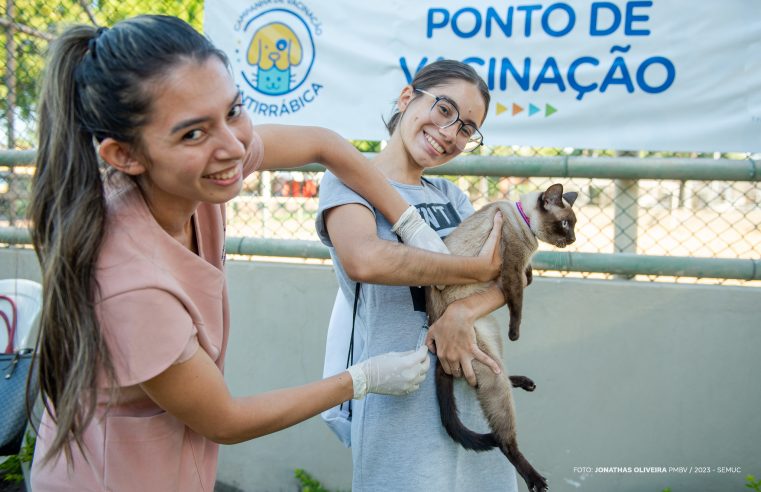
<point>553,167</point>
<point>596,167</point>
<point>620,168</point>
<point>625,264</point>
<point>12,158</point>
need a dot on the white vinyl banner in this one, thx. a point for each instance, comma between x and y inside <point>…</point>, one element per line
<point>627,75</point>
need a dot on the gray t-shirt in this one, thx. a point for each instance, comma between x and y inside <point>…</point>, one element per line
<point>398,443</point>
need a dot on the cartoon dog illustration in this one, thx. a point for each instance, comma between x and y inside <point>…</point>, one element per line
<point>274,49</point>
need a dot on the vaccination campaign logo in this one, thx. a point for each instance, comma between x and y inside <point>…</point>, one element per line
<point>274,56</point>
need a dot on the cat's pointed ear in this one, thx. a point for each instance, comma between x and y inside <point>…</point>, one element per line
<point>570,197</point>
<point>552,196</point>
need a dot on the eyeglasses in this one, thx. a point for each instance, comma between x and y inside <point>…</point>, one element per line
<point>444,114</point>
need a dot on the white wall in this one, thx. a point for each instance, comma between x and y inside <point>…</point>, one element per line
<point>628,375</point>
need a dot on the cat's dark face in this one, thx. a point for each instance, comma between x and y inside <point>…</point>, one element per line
<point>556,218</point>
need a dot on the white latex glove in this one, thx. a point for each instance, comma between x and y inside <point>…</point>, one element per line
<point>394,373</point>
<point>415,232</point>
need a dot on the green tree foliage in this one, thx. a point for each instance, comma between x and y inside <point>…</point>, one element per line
<point>752,483</point>
<point>38,21</point>
<point>307,483</point>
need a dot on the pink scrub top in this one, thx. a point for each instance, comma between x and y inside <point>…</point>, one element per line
<point>159,302</point>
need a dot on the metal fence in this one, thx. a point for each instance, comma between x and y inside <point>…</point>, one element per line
<point>676,219</point>
<point>697,207</point>
<point>659,217</point>
<point>630,203</point>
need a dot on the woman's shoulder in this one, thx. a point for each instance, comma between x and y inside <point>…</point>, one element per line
<point>334,192</point>
<point>331,182</point>
<point>444,186</point>
<point>134,247</point>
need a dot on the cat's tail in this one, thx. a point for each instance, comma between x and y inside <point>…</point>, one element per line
<point>451,419</point>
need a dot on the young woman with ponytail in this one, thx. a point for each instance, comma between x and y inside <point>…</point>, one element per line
<point>436,118</point>
<point>143,138</point>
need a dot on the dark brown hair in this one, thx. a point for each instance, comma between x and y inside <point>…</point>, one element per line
<point>438,73</point>
<point>96,85</point>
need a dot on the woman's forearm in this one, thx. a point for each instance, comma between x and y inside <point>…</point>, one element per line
<point>390,263</point>
<point>265,413</point>
<point>287,146</point>
<point>195,392</point>
<point>367,258</point>
<point>358,173</point>
<point>482,303</point>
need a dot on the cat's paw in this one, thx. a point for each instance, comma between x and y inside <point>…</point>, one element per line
<point>514,327</point>
<point>529,275</point>
<point>522,382</point>
<point>536,482</point>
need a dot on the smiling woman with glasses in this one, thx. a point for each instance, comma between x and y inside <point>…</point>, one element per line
<point>444,114</point>
<point>390,309</point>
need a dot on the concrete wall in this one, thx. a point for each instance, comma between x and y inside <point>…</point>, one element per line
<point>636,376</point>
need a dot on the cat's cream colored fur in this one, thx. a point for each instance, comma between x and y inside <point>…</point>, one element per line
<point>551,220</point>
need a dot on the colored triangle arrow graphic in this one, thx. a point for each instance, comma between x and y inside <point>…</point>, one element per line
<point>501,109</point>
<point>516,109</point>
<point>549,110</point>
<point>532,110</point>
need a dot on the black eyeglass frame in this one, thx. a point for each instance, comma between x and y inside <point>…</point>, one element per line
<point>477,136</point>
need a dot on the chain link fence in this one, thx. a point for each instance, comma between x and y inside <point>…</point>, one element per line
<point>709,219</point>
<point>712,219</point>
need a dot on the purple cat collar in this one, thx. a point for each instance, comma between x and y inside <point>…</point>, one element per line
<point>523,214</point>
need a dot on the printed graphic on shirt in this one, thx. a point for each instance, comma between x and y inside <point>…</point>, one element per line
<point>439,215</point>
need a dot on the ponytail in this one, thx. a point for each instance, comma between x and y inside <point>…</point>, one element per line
<point>68,215</point>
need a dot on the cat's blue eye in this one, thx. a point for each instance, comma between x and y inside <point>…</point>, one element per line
<point>564,224</point>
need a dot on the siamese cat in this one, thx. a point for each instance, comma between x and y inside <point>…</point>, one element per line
<point>546,216</point>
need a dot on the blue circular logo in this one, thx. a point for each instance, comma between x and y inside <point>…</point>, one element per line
<point>276,53</point>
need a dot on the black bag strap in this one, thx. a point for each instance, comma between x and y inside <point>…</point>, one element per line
<point>10,324</point>
<point>350,354</point>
